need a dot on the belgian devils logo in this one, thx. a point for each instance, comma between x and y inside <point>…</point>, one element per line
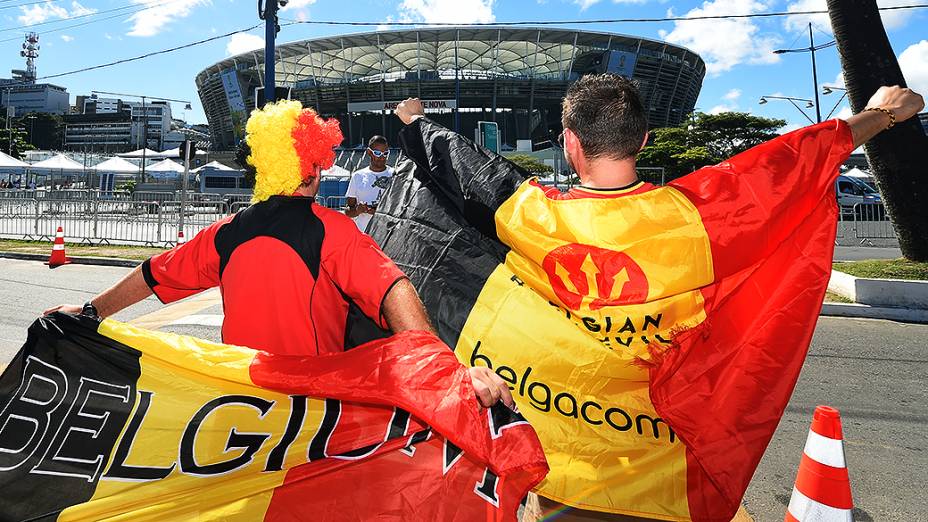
<point>585,275</point>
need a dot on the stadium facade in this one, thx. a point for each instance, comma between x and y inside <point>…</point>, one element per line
<point>514,76</point>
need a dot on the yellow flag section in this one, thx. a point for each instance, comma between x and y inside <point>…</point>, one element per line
<point>567,321</point>
<point>179,375</point>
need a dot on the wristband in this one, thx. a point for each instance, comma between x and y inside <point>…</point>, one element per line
<point>892,116</point>
<point>89,310</point>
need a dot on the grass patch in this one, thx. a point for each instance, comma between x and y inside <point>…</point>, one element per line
<point>136,253</point>
<point>836,298</point>
<point>885,269</point>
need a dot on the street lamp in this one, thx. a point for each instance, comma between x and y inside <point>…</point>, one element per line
<point>792,100</point>
<point>811,49</point>
<point>828,89</point>
<point>31,118</point>
<point>144,117</point>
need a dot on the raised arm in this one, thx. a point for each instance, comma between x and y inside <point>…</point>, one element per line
<point>457,167</point>
<point>886,107</point>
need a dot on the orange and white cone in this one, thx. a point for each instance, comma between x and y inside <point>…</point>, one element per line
<point>180,237</point>
<point>58,256</point>
<point>823,488</point>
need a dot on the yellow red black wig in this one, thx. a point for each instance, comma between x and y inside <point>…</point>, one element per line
<point>287,144</point>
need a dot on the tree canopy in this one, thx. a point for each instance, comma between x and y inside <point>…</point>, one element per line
<point>705,139</point>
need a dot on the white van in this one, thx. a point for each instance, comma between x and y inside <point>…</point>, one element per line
<point>857,197</point>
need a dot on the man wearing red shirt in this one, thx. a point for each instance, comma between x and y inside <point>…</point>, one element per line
<point>296,278</point>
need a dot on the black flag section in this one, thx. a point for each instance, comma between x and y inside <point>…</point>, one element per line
<point>64,400</point>
<point>436,221</point>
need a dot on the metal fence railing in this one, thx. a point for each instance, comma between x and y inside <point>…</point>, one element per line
<point>118,218</point>
<point>153,218</point>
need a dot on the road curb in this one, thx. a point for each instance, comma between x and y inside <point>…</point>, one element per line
<point>903,315</point>
<point>889,293</point>
<point>77,260</point>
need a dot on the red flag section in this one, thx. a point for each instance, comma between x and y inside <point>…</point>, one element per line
<point>771,217</point>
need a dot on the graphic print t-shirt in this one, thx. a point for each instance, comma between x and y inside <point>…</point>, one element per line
<point>366,186</point>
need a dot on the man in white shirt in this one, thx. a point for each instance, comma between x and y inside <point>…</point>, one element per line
<point>367,184</point>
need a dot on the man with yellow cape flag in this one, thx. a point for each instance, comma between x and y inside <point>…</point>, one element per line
<point>651,335</point>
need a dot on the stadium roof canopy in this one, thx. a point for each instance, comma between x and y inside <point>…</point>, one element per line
<point>488,51</point>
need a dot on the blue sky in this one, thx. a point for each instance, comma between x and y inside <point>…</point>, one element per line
<point>741,65</point>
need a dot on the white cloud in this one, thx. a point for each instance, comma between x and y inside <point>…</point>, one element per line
<point>158,16</point>
<point>732,95</point>
<point>722,108</point>
<point>844,113</point>
<point>839,80</point>
<point>297,4</point>
<point>39,13</point>
<point>914,64</point>
<point>67,38</point>
<point>457,11</point>
<point>585,4</point>
<point>729,42</point>
<point>800,23</point>
<point>242,43</point>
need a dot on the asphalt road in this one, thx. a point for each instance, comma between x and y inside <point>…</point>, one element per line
<point>874,372</point>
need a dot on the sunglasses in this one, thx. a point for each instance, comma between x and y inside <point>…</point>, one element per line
<point>380,153</point>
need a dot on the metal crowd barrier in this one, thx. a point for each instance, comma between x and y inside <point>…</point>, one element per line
<point>872,222</point>
<point>335,202</point>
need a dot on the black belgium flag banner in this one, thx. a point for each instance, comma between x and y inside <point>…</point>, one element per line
<point>651,335</point>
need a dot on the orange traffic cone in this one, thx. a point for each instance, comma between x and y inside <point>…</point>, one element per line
<point>180,237</point>
<point>823,489</point>
<point>58,257</point>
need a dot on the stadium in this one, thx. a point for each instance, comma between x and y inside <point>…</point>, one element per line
<point>514,76</point>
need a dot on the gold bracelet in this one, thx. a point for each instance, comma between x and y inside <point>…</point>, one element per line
<point>892,117</point>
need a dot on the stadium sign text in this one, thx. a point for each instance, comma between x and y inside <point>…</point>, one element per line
<point>391,105</point>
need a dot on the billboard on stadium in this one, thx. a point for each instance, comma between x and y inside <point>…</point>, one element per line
<point>237,109</point>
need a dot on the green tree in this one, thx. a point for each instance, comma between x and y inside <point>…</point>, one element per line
<point>530,164</point>
<point>19,144</point>
<point>44,131</point>
<point>897,156</point>
<point>705,139</point>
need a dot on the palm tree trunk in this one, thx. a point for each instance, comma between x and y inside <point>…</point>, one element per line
<point>897,156</point>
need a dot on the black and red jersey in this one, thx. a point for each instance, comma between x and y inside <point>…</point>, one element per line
<point>294,276</point>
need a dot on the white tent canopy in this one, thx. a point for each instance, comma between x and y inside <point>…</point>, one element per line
<point>9,162</point>
<point>165,169</point>
<point>170,153</point>
<point>857,173</point>
<point>214,165</point>
<point>138,154</point>
<point>58,162</point>
<point>165,166</point>
<point>117,165</point>
<point>337,172</point>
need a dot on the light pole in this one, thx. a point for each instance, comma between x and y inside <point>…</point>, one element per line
<point>828,89</point>
<point>31,118</point>
<point>267,11</point>
<point>792,100</point>
<point>144,118</point>
<point>811,49</point>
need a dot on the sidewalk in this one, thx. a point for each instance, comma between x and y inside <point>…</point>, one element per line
<point>859,253</point>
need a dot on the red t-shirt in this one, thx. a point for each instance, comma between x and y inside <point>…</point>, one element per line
<point>295,277</point>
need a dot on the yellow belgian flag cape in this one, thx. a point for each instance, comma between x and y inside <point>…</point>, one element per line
<point>651,335</point>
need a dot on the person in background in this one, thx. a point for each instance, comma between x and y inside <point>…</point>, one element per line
<point>367,184</point>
